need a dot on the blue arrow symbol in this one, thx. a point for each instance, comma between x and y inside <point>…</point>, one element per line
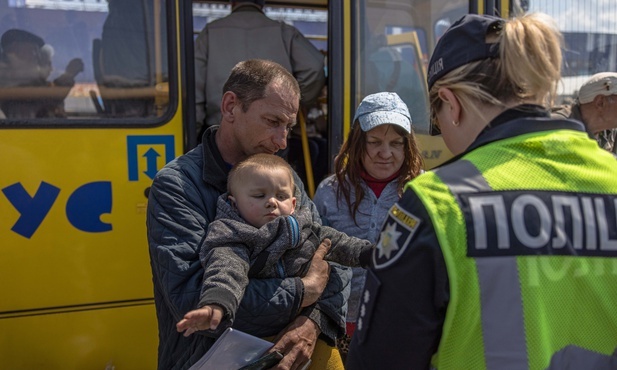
<point>151,169</point>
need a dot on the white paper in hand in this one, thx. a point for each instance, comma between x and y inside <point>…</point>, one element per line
<point>232,350</point>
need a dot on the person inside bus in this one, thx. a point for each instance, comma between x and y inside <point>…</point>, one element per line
<point>316,132</point>
<point>247,33</point>
<point>26,61</point>
<point>378,158</point>
<point>596,107</point>
<point>496,259</point>
<point>126,57</point>
<point>390,70</point>
<point>258,233</point>
<point>259,106</point>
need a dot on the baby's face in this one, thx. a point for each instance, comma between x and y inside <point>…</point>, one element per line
<point>264,195</point>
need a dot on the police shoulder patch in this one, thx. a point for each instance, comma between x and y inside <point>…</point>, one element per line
<point>396,234</point>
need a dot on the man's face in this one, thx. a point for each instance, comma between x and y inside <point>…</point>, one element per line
<point>26,53</point>
<point>264,127</point>
<point>611,102</point>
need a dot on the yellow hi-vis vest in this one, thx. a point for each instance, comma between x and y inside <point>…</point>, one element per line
<point>528,230</point>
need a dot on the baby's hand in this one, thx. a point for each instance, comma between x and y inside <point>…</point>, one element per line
<point>207,317</point>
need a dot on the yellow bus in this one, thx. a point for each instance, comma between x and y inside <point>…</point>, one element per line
<point>103,100</point>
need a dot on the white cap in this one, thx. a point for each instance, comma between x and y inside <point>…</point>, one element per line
<point>383,108</point>
<point>604,83</point>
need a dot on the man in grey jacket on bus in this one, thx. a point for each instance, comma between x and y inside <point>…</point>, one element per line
<point>247,33</point>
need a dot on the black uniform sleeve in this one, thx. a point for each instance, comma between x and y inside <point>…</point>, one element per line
<point>405,296</point>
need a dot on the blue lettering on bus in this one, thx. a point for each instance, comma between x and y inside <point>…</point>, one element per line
<point>83,209</point>
<point>32,210</point>
<point>86,205</point>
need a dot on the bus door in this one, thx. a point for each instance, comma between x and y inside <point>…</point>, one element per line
<point>89,112</point>
<point>390,45</point>
<point>307,143</point>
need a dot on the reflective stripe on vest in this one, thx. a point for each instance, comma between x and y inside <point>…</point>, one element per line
<point>503,325</point>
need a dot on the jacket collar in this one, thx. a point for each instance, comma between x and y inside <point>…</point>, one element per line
<point>519,120</point>
<point>575,113</point>
<point>247,7</point>
<point>215,169</point>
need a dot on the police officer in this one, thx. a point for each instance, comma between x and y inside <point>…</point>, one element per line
<point>505,257</point>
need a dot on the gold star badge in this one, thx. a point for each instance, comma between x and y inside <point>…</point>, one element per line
<point>388,241</point>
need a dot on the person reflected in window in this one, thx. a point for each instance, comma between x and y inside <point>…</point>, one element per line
<point>128,58</point>
<point>26,61</point>
<point>390,70</point>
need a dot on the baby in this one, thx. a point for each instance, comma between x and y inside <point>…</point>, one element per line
<point>258,233</point>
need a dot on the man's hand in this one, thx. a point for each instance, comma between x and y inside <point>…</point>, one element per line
<point>296,343</point>
<point>74,67</point>
<point>317,276</point>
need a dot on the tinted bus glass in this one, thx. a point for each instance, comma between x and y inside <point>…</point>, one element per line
<point>83,62</point>
<point>393,46</point>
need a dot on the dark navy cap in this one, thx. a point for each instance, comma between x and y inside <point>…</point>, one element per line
<point>16,35</point>
<point>464,42</point>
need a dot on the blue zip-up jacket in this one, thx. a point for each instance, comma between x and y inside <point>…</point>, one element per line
<point>182,202</point>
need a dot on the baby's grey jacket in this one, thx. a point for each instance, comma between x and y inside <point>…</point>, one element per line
<point>234,251</point>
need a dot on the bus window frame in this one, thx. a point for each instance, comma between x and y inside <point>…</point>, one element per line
<point>101,121</point>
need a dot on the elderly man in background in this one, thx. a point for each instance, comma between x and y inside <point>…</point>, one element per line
<point>596,107</point>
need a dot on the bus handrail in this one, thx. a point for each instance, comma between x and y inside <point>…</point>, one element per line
<point>308,165</point>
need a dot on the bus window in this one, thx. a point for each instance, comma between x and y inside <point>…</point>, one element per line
<point>312,23</point>
<point>308,146</point>
<point>392,49</point>
<point>83,63</point>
